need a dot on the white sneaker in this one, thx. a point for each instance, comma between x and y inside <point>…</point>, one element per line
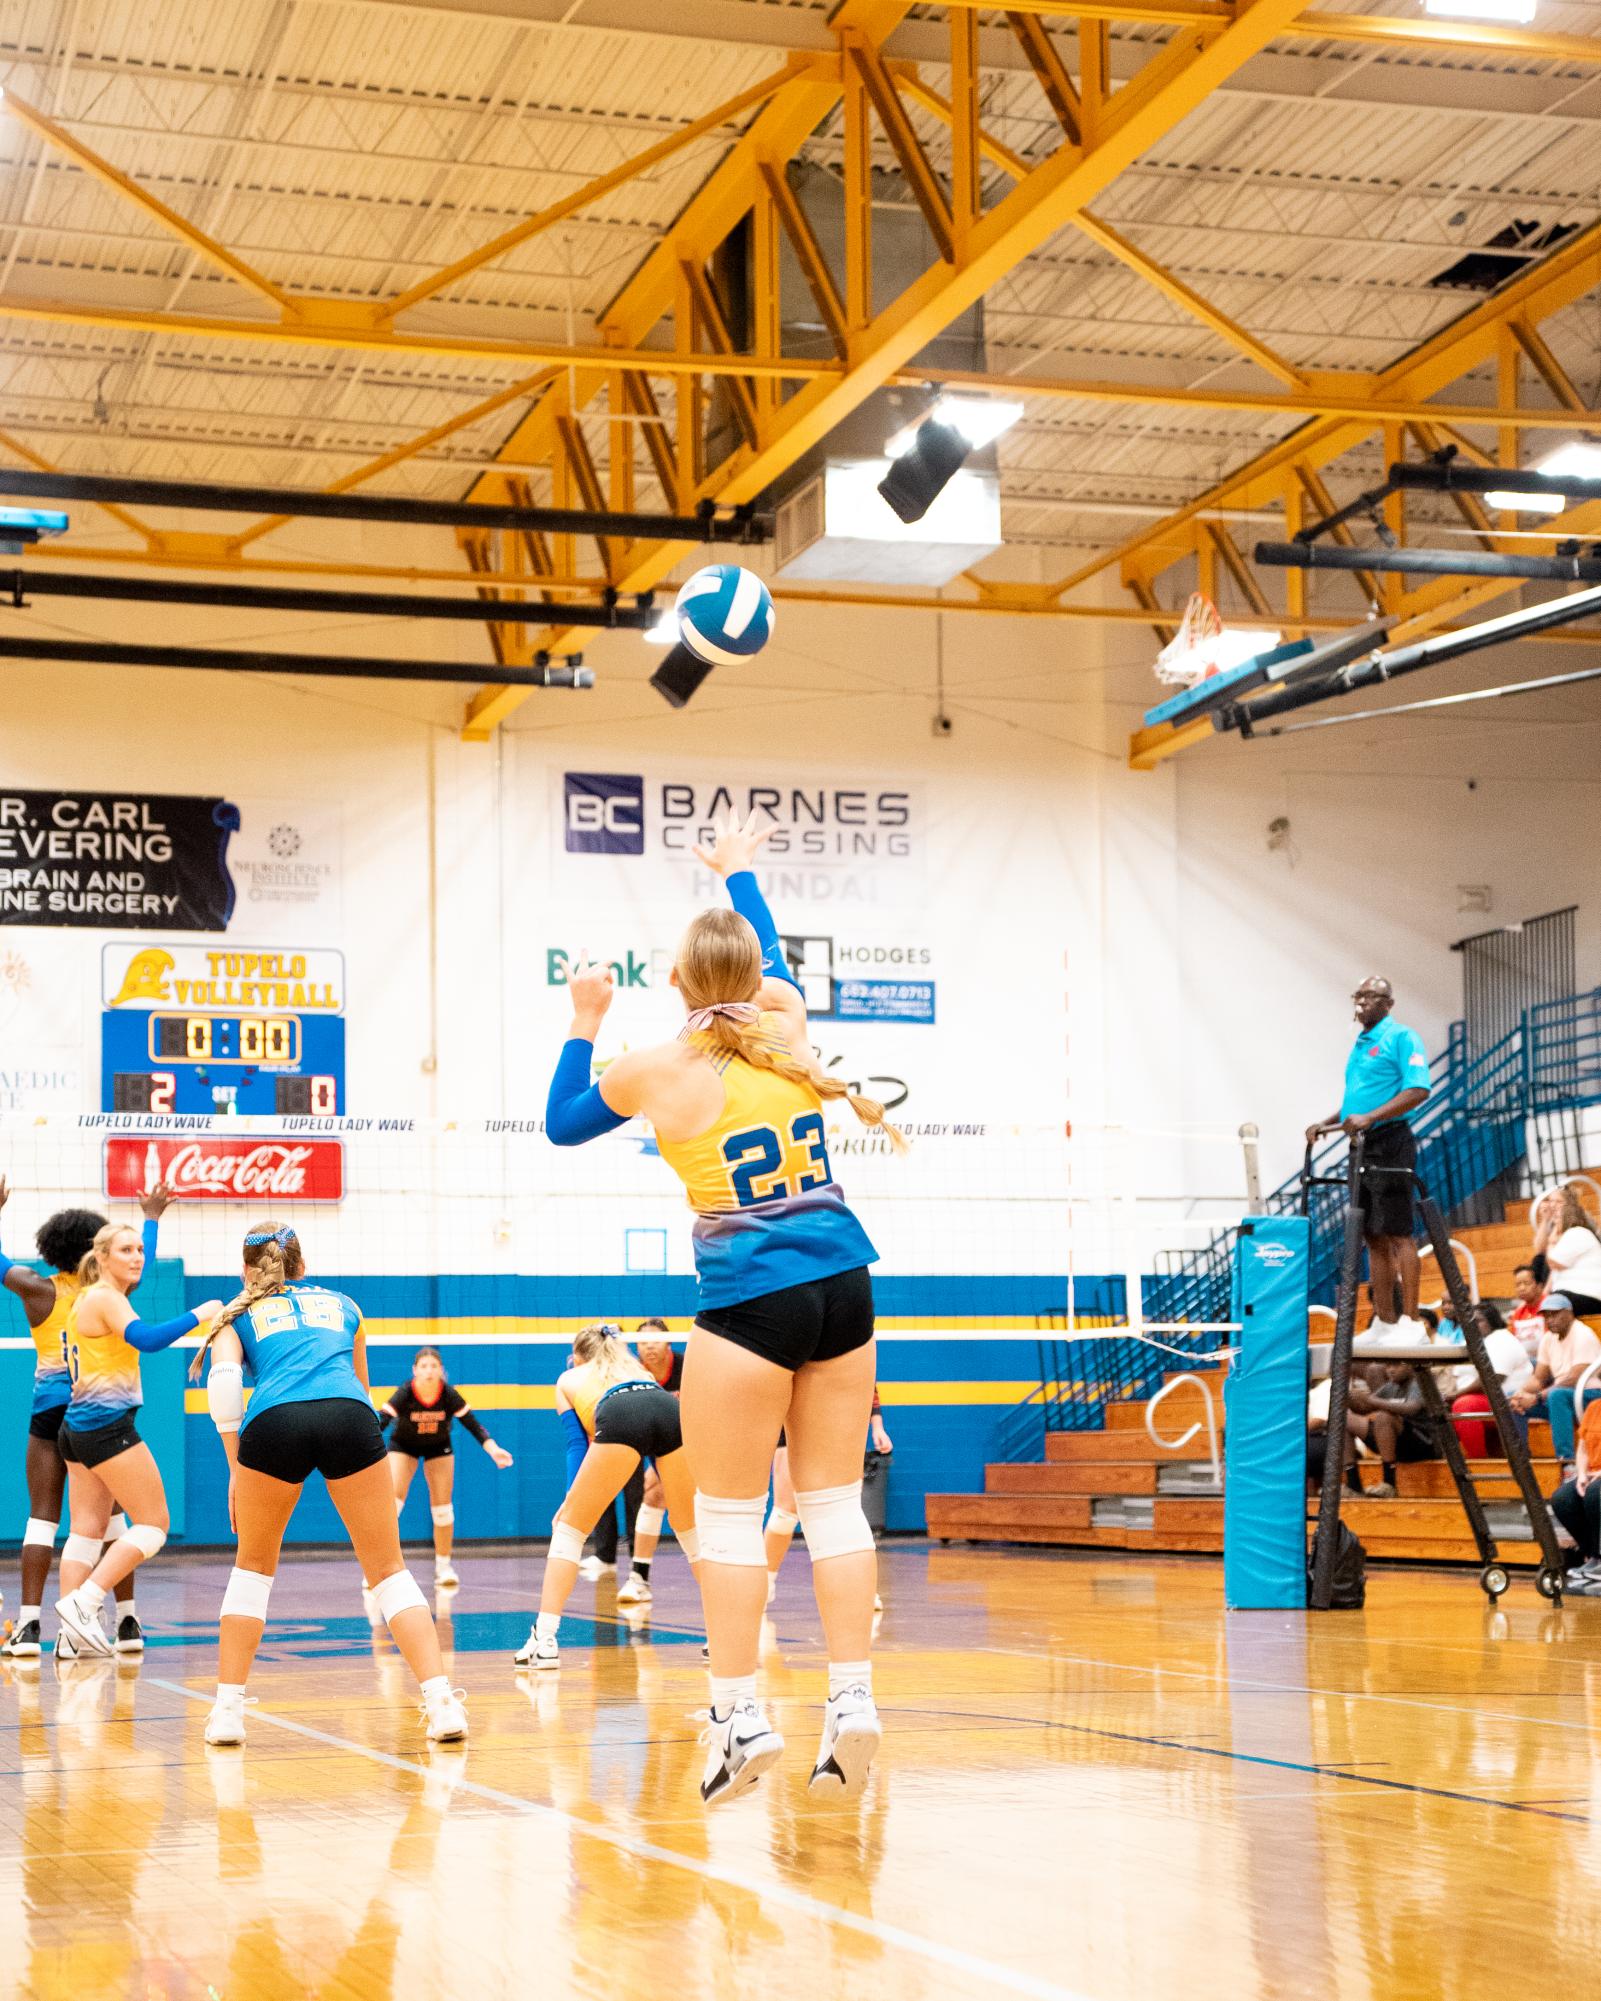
<point>226,1723</point>
<point>447,1717</point>
<point>742,1745</point>
<point>538,1651</point>
<point>592,1567</point>
<point>87,1633</point>
<point>852,1734</point>
<point>445,1577</point>
<point>24,1643</point>
<point>634,1590</point>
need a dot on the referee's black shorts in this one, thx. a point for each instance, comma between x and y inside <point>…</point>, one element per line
<point>1385,1189</point>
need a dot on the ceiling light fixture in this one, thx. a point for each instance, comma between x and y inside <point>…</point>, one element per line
<point>924,456</point>
<point>1519,11</point>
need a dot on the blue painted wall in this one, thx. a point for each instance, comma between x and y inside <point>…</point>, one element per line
<point>959,1386</point>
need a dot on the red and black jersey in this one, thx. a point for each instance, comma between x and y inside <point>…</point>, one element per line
<point>421,1427</point>
<point>674,1378</point>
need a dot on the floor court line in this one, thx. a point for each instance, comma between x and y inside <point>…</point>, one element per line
<point>1338,1772</point>
<point>1304,1688</point>
<point>951,1959</point>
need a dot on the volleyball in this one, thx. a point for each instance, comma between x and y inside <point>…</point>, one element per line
<point>724,614</point>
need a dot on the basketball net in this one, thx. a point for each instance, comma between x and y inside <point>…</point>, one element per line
<point>1191,654</point>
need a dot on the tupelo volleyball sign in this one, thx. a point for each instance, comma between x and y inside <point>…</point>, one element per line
<point>226,1170</point>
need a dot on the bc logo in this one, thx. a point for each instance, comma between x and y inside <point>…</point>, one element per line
<point>605,813</point>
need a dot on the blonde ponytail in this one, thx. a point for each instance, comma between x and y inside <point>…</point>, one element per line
<point>602,1342</point>
<point>719,960</point>
<point>272,1258</point>
<point>89,1263</point>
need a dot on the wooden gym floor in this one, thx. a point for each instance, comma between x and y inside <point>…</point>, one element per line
<point>1095,1783</point>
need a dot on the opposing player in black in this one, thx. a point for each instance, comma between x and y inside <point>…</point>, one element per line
<point>422,1412</point>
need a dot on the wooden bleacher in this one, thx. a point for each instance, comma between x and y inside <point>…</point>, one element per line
<point>1075,1497</point>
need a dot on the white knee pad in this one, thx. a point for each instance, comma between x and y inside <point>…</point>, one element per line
<point>566,1544</point>
<point>443,1517</point>
<point>116,1528</point>
<point>689,1543</point>
<point>397,1594</point>
<point>649,1521</point>
<point>731,1531</point>
<point>247,1595</point>
<point>833,1521</point>
<point>147,1540</point>
<point>81,1549</point>
<point>782,1522</point>
<point>41,1535</point>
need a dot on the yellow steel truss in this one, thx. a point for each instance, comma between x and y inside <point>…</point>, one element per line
<point>594,414</point>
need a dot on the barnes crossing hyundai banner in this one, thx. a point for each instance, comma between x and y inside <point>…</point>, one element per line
<point>143,861</point>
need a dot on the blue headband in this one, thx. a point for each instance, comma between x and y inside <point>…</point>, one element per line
<point>283,1237</point>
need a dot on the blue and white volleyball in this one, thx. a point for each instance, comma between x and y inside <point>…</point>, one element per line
<point>724,614</point>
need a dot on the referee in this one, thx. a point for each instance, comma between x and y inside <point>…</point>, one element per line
<point>1386,1079</point>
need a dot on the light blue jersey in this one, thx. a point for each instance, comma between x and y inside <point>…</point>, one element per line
<point>299,1346</point>
<point>1385,1060</point>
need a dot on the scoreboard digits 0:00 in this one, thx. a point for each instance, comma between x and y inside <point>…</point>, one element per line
<point>221,1038</point>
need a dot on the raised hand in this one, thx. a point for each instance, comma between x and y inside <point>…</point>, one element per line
<point>591,987</point>
<point>5,1191</point>
<point>500,1455</point>
<point>735,844</point>
<point>154,1200</point>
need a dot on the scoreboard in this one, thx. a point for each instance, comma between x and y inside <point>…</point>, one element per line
<point>198,1028</point>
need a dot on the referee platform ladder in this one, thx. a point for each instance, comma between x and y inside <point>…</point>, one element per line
<point>1347,1349</point>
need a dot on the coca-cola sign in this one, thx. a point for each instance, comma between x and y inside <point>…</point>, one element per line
<point>206,1169</point>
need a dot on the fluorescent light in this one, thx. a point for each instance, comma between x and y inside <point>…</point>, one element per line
<point>1520,11</point>
<point>1519,500</point>
<point>664,632</point>
<point>1578,460</point>
<point>980,419</point>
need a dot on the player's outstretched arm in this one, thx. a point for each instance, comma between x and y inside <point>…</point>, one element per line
<point>732,855</point>
<point>37,1294</point>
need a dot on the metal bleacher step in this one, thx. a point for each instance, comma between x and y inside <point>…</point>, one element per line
<point>1123,1511</point>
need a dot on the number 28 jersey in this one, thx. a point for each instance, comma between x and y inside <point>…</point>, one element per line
<point>768,1211</point>
<point>299,1346</point>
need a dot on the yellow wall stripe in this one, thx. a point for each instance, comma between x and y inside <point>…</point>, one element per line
<point>542,1396</point>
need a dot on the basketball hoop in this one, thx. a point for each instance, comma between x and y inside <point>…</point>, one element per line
<point>1191,654</point>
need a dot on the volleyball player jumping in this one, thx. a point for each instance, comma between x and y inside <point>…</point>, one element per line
<point>64,1241</point>
<point>784,1331</point>
<point>613,1414</point>
<point>423,1411</point>
<point>311,1412</point>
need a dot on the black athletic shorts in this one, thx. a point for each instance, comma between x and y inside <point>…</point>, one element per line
<point>424,1448</point>
<point>1385,1192</point>
<point>802,1323</point>
<point>333,1436</point>
<point>47,1423</point>
<point>90,1448</point>
<point>641,1416</point>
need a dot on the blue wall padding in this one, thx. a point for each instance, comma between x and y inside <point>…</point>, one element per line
<point>1264,1496</point>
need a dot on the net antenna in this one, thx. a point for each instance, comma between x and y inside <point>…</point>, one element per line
<point>1193,652</point>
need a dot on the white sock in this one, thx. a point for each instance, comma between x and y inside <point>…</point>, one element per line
<point>91,1595</point>
<point>125,1609</point>
<point>546,1625</point>
<point>436,1688</point>
<point>27,1612</point>
<point>730,1690</point>
<point>849,1674</point>
<point>230,1691</point>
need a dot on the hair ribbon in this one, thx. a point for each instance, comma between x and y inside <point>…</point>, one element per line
<point>703,1017</point>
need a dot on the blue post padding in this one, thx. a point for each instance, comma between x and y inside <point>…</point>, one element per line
<point>1264,1494</point>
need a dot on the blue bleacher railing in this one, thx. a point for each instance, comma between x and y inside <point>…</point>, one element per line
<point>1484,1113</point>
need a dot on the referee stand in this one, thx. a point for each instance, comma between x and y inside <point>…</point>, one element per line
<point>1426,1357</point>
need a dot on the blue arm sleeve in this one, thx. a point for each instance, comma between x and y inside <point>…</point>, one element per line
<point>5,1266</point>
<point>149,1234</point>
<point>575,1110</point>
<point>575,1442</point>
<point>149,1335</point>
<point>744,892</point>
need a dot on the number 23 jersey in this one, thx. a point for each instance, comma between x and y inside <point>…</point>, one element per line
<point>768,1211</point>
<point>299,1346</point>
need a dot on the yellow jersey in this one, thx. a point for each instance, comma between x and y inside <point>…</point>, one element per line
<point>586,1385</point>
<point>105,1374</point>
<point>769,1213</point>
<point>52,1385</point>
